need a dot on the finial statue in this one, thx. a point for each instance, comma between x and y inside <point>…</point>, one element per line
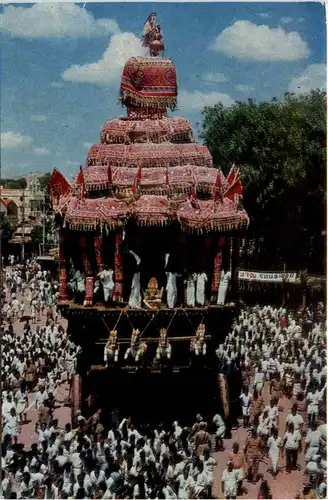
<point>152,37</point>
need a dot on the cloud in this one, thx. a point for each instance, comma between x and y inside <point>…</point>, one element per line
<point>244,88</point>
<point>38,118</point>
<point>14,140</point>
<point>245,40</point>
<point>196,100</point>
<point>56,20</point>
<point>264,15</point>
<point>87,145</point>
<point>42,151</point>
<point>313,77</point>
<point>58,85</point>
<point>286,20</point>
<point>215,77</point>
<point>108,68</point>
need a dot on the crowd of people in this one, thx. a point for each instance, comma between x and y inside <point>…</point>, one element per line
<point>93,458</point>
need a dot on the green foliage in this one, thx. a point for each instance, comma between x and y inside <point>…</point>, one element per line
<point>13,183</point>
<point>5,227</point>
<point>44,181</point>
<point>280,148</point>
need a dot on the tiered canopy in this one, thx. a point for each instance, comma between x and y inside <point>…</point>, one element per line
<point>148,166</point>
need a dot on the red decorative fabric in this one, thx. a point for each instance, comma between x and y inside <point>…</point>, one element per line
<point>84,254</point>
<point>58,186</point>
<point>121,130</point>
<point>79,181</point>
<point>90,213</point>
<point>222,216</point>
<point>152,210</point>
<point>98,252</point>
<point>217,267</point>
<point>149,82</point>
<point>118,267</point>
<point>63,296</point>
<point>165,155</point>
<point>89,286</point>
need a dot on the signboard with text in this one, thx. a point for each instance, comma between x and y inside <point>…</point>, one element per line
<point>268,277</point>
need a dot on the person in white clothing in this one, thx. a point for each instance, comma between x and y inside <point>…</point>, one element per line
<point>245,401</point>
<point>274,445</point>
<point>186,484</point>
<point>229,481</point>
<point>296,419</point>
<point>223,287</point>
<point>200,289</point>
<point>106,279</point>
<point>191,290</point>
<point>220,431</point>
<point>292,445</point>
<point>135,295</point>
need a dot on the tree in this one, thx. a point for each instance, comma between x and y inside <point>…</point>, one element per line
<point>280,148</point>
<point>14,183</point>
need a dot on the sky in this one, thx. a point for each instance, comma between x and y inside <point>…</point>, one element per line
<point>62,62</point>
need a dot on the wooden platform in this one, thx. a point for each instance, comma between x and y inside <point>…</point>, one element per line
<point>72,308</point>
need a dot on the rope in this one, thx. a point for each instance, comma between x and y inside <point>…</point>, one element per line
<point>167,330</point>
<point>151,319</point>
<point>129,320</point>
<point>115,323</point>
<point>186,314</point>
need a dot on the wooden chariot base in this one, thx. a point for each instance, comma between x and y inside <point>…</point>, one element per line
<point>71,307</point>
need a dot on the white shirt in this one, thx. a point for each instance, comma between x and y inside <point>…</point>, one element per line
<point>292,440</point>
<point>230,482</point>
<point>297,420</point>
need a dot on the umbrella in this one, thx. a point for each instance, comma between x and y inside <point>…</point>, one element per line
<point>25,318</point>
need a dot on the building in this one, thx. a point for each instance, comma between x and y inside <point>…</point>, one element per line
<point>26,203</point>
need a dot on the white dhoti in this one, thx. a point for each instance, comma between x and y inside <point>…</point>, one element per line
<point>200,288</point>
<point>274,457</point>
<point>223,288</point>
<point>191,293</point>
<point>135,295</point>
<point>220,431</point>
<point>171,290</point>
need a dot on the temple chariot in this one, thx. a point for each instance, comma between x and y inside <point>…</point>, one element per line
<point>149,233</point>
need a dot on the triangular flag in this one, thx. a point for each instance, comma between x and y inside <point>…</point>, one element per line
<point>80,180</point>
<point>231,175</point>
<point>136,180</point>
<point>217,187</point>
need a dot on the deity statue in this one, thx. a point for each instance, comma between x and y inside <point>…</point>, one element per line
<point>152,37</point>
<point>112,348</point>
<point>164,349</point>
<point>153,295</point>
<point>137,348</point>
<point>198,344</point>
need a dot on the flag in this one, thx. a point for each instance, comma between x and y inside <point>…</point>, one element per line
<point>136,180</point>
<point>80,181</point>
<point>217,187</point>
<point>194,199</point>
<point>235,189</point>
<point>58,186</point>
<point>231,175</point>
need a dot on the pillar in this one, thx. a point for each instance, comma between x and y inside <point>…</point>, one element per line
<point>98,240</point>
<point>217,270</point>
<point>118,267</point>
<point>63,296</point>
<point>89,280</point>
